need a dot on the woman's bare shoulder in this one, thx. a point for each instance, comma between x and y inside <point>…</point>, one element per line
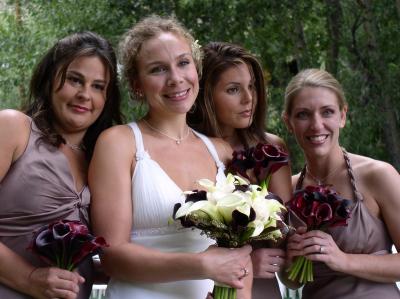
<point>14,128</point>
<point>12,120</point>
<point>223,148</point>
<point>375,175</point>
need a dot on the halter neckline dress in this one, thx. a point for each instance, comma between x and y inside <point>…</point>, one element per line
<point>365,234</point>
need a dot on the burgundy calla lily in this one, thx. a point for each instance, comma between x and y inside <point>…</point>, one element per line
<point>262,160</point>
<point>65,244</point>
<point>319,207</point>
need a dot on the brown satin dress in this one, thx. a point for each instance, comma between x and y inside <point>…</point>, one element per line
<point>37,190</point>
<point>365,234</point>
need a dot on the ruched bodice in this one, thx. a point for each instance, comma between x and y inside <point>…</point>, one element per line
<point>364,234</point>
<point>39,189</point>
<point>154,195</point>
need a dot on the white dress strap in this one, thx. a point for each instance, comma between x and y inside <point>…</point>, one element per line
<point>140,152</point>
<point>213,151</point>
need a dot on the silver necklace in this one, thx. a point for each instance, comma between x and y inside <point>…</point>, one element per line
<point>320,181</point>
<point>177,140</point>
<point>76,147</point>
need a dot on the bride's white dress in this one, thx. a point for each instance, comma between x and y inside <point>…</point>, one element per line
<point>154,195</point>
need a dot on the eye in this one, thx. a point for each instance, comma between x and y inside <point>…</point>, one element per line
<point>328,112</point>
<point>184,62</point>
<point>99,86</point>
<point>232,90</point>
<point>301,115</point>
<point>158,69</point>
<point>74,80</point>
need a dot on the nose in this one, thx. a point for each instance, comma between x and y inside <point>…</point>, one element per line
<point>247,96</point>
<point>175,77</point>
<point>84,93</point>
<point>317,122</point>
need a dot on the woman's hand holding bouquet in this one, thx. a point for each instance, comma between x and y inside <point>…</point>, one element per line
<point>234,214</point>
<point>316,208</point>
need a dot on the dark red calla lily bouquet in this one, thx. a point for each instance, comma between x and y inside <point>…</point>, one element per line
<point>65,244</point>
<point>319,208</point>
<point>258,162</point>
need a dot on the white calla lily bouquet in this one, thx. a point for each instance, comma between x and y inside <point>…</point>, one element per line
<point>233,213</point>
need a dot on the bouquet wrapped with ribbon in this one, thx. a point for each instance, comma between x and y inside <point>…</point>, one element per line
<point>233,213</point>
<point>317,208</point>
<point>65,244</point>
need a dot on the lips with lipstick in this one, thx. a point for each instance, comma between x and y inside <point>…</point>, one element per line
<point>178,96</point>
<point>246,113</point>
<point>79,108</point>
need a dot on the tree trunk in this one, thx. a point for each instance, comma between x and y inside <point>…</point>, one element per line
<point>18,20</point>
<point>398,7</point>
<point>299,40</point>
<point>378,79</point>
<point>334,21</point>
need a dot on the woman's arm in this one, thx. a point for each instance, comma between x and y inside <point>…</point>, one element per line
<point>15,272</point>
<point>14,135</point>
<point>110,175</point>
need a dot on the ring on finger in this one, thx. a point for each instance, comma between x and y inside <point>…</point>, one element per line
<point>321,249</point>
<point>245,272</point>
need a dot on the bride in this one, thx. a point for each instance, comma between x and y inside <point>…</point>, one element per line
<point>139,171</point>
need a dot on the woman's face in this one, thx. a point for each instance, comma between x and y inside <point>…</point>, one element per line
<point>167,74</point>
<point>80,101</point>
<point>316,120</point>
<point>235,98</point>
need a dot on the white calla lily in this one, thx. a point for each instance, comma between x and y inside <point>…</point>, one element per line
<point>183,210</point>
<point>207,207</point>
<point>231,202</point>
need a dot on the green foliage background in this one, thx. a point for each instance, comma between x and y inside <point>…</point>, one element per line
<point>357,41</point>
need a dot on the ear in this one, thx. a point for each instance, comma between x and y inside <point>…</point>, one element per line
<point>136,88</point>
<point>285,119</point>
<point>343,116</point>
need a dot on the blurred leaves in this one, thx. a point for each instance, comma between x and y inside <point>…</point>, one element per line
<point>286,35</point>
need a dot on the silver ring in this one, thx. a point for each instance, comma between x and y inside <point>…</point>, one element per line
<point>321,249</point>
<point>245,272</point>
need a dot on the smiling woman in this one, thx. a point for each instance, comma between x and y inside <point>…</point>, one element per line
<point>154,160</point>
<point>44,155</point>
<point>353,261</point>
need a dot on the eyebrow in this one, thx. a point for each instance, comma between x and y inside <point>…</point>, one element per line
<point>156,62</point>
<point>323,107</point>
<point>78,74</point>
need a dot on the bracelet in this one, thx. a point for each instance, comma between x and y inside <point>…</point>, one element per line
<point>30,274</point>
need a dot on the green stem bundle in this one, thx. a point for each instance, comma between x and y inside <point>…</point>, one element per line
<point>224,292</point>
<point>301,270</point>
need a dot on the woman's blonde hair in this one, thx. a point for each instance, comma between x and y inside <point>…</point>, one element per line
<point>312,78</point>
<point>149,28</point>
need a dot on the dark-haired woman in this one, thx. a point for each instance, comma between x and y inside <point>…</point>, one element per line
<point>44,154</point>
<point>232,105</point>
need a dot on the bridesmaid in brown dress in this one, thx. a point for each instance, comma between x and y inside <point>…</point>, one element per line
<point>354,261</point>
<point>232,105</point>
<point>43,161</point>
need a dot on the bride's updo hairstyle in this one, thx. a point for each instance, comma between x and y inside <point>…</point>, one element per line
<point>146,29</point>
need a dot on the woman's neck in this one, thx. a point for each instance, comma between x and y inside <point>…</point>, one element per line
<point>71,138</point>
<point>233,139</point>
<point>321,168</point>
<point>172,125</point>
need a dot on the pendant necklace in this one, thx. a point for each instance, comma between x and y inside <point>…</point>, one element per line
<point>76,147</point>
<point>177,140</point>
<point>320,181</point>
